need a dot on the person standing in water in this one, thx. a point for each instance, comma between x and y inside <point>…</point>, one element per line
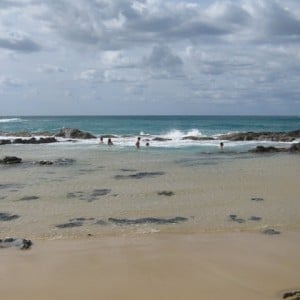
<point>109,142</point>
<point>137,144</point>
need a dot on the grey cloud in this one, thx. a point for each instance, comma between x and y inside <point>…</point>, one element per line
<point>10,83</point>
<point>163,62</point>
<point>11,3</point>
<point>89,22</point>
<point>162,57</point>
<point>280,21</point>
<point>18,42</point>
<point>50,69</point>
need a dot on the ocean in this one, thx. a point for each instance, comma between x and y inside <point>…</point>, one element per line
<point>172,129</point>
<point>88,189</point>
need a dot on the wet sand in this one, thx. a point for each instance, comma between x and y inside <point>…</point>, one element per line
<point>160,266</point>
<point>220,252</point>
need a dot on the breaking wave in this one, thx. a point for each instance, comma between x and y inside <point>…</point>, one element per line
<point>10,120</point>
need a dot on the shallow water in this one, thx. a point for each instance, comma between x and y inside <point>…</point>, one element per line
<point>100,190</point>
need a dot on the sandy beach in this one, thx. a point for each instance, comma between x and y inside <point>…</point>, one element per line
<point>102,229</point>
<point>207,266</point>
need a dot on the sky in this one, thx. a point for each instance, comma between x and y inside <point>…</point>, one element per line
<point>149,57</point>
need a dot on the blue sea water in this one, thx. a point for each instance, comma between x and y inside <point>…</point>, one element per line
<point>126,128</point>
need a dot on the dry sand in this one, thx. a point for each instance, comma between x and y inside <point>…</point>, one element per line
<point>241,265</point>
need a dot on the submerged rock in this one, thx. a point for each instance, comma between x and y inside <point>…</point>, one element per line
<point>197,138</point>
<point>295,148</point>
<point>5,142</point>
<point>270,231</point>
<point>15,242</point>
<point>8,217</point>
<point>10,160</point>
<point>271,149</point>
<point>70,224</point>
<point>160,139</point>
<point>159,221</point>
<point>139,175</point>
<point>166,193</point>
<point>262,136</point>
<point>291,295</point>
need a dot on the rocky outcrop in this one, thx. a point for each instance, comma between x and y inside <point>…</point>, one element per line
<point>73,133</point>
<point>5,142</point>
<point>262,136</point>
<point>160,139</point>
<point>262,149</point>
<point>197,138</point>
<point>8,160</point>
<point>295,148</point>
<point>32,140</point>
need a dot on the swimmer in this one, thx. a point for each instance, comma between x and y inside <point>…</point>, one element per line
<point>137,144</point>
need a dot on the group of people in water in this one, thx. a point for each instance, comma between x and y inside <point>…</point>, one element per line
<point>138,142</point>
<point>110,143</point>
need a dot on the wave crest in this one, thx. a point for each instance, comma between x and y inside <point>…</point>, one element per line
<point>10,120</point>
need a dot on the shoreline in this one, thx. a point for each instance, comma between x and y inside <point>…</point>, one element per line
<point>236,265</point>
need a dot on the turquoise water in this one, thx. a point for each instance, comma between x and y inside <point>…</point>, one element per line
<point>154,125</point>
<point>174,128</point>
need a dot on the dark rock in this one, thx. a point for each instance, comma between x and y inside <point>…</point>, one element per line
<point>64,161</point>
<point>295,148</point>
<point>270,149</point>
<point>139,175</point>
<point>159,221</point>
<point>100,192</point>
<point>128,170</point>
<point>89,197</point>
<point>254,218</point>
<point>32,140</point>
<point>13,242</point>
<point>165,193</point>
<point>47,140</point>
<point>257,199</point>
<point>262,136</point>
<point>234,218</point>
<point>270,231</point>
<point>197,138</point>
<point>8,217</point>
<point>11,160</point>
<point>5,142</point>
<point>291,295</point>
<point>28,198</point>
<point>74,133</point>
<point>45,162</point>
<point>70,224</point>
<point>160,139</point>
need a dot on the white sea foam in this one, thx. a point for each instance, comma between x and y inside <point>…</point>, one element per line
<point>10,120</point>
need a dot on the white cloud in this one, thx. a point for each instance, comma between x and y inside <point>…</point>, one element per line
<point>46,68</point>
<point>10,82</point>
<point>88,75</point>
<point>227,51</point>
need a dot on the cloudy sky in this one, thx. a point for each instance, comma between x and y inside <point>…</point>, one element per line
<point>110,57</point>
